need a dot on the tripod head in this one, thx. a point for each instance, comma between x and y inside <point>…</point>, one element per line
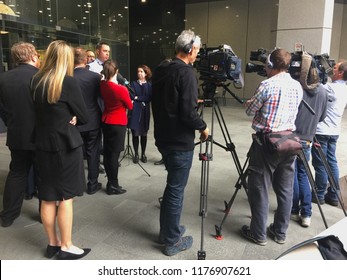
<point>209,88</point>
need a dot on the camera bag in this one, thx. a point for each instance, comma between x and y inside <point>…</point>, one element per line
<point>282,142</point>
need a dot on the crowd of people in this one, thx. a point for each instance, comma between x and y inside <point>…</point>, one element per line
<point>74,107</point>
<point>277,106</point>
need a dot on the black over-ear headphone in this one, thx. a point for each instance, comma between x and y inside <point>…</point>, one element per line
<point>269,63</point>
<point>188,48</point>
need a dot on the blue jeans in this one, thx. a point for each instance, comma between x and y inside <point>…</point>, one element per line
<point>178,166</point>
<point>328,145</point>
<point>302,191</point>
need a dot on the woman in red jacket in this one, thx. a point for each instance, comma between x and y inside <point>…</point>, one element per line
<point>114,123</point>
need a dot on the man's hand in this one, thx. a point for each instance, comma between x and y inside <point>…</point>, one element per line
<point>204,134</point>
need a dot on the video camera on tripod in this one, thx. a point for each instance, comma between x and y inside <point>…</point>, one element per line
<point>216,66</point>
<point>321,62</point>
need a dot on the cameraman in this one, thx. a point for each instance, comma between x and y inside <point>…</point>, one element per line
<point>316,97</point>
<point>274,106</point>
<point>327,134</point>
<point>174,106</point>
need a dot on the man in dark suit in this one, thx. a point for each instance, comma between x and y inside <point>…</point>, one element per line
<point>91,133</point>
<point>19,117</point>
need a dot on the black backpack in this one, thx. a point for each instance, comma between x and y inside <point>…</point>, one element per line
<point>330,247</point>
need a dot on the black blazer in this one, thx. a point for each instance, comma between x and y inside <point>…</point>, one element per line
<point>89,83</point>
<point>17,104</point>
<point>53,131</point>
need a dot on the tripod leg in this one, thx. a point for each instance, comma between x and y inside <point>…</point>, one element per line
<point>205,165</point>
<point>238,185</point>
<point>129,152</point>
<point>229,144</point>
<point>302,157</point>
<point>230,147</point>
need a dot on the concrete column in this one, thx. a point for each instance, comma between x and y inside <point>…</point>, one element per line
<point>307,21</point>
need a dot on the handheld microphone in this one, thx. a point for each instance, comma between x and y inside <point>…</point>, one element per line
<point>129,87</point>
<point>123,81</point>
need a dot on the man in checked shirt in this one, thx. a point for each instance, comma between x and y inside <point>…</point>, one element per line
<point>274,107</point>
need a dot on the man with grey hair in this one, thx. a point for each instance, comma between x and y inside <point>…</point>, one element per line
<point>174,105</point>
<point>19,117</point>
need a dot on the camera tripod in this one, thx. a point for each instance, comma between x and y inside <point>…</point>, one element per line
<point>128,152</point>
<point>241,181</point>
<point>301,156</point>
<point>333,184</point>
<point>206,155</point>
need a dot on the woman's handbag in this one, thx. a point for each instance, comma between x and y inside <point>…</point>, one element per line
<point>281,142</point>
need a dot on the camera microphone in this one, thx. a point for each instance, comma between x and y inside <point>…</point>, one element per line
<point>121,80</point>
<point>124,82</point>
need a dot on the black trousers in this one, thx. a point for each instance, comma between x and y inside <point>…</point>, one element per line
<point>16,183</point>
<point>92,141</point>
<point>114,137</point>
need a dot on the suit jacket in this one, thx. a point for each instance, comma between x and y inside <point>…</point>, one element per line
<point>17,104</point>
<point>53,131</point>
<point>89,83</point>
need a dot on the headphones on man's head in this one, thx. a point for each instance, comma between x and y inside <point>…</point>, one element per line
<point>269,63</point>
<point>188,48</point>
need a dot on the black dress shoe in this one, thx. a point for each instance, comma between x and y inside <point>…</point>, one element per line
<point>331,201</point>
<point>159,162</point>
<point>136,159</point>
<point>144,158</point>
<point>63,255</point>
<point>28,196</point>
<point>314,200</point>
<point>6,223</point>
<point>110,190</point>
<point>93,189</point>
<point>51,251</point>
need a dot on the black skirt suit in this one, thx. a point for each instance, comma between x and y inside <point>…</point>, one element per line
<point>59,144</point>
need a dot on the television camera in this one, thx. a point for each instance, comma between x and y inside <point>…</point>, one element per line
<point>321,62</point>
<point>216,66</point>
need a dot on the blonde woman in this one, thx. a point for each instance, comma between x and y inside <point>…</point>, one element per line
<point>58,106</point>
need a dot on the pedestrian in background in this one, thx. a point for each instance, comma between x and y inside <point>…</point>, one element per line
<point>139,116</point>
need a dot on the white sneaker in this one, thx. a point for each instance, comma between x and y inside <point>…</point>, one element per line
<point>305,221</point>
<point>295,217</point>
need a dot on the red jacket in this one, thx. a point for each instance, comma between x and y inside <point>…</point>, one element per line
<point>116,101</point>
